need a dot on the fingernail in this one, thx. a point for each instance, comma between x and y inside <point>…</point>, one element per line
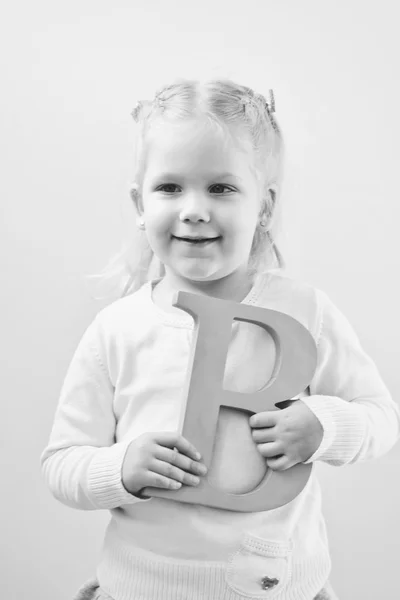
<point>198,455</point>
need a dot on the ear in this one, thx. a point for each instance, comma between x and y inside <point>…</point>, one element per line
<point>268,204</point>
<point>136,198</point>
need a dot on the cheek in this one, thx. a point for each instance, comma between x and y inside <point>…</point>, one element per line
<point>242,227</point>
<point>158,220</point>
<point>242,217</point>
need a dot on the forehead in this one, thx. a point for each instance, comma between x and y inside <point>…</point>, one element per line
<point>197,144</point>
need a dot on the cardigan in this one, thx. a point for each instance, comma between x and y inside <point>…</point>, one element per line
<point>126,378</point>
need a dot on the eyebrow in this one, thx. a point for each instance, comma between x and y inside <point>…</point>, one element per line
<point>215,176</point>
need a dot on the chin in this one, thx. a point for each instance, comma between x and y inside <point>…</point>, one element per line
<point>198,275</point>
<point>197,278</point>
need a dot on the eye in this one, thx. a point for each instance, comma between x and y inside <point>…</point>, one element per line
<point>173,185</point>
<point>162,187</point>
<point>222,185</point>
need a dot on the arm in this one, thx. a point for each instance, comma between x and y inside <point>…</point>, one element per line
<point>359,418</point>
<point>82,463</point>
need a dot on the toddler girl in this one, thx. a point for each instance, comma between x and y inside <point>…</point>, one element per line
<point>207,183</point>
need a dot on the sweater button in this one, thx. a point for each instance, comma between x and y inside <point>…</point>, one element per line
<point>268,582</point>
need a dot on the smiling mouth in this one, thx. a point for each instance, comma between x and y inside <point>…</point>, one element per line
<point>196,240</point>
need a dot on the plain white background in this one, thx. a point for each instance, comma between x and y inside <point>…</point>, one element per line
<point>70,74</point>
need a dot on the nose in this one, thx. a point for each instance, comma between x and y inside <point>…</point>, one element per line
<point>194,209</point>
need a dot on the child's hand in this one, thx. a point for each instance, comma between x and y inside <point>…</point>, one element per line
<point>287,437</point>
<point>151,461</point>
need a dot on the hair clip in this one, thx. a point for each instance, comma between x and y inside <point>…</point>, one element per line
<point>249,96</point>
<point>271,105</point>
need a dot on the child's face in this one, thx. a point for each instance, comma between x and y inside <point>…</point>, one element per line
<point>199,200</point>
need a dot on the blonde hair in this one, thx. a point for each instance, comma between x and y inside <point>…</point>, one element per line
<point>230,108</point>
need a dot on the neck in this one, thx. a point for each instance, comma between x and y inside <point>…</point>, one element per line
<point>235,287</point>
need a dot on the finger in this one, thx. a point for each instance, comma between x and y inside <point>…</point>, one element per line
<point>171,472</point>
<point>175,440</point>
<point>180,460</point>
<point>264,419</point>
<point>264,435</point>
<point>158,480</point>
<point>270,449</point>
<point>279,463</point>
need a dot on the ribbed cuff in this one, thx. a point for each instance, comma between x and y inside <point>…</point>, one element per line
<point>105,480</point>
<point>344,426</point>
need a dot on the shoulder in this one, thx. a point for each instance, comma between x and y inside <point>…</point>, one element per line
<point>288,291</point>
<point>124,314</point>
<point>297,298</point>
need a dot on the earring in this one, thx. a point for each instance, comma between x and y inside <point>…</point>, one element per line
<point>263,223</point>
<point>141,224</point>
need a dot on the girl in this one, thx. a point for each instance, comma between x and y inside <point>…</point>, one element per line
<point>208,174</point>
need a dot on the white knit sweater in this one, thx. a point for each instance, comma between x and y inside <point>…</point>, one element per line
<point>126,378</point>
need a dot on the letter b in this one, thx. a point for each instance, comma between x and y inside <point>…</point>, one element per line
<point>295,365</point>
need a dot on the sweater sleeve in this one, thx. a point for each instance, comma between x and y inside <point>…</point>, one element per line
<point>360,420</point>
<point>82,463</point>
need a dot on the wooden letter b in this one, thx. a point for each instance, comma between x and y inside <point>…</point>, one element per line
<point>204,395</point>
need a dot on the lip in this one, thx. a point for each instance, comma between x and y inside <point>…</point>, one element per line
<point>197,238</point>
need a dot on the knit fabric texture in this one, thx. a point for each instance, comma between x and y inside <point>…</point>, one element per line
<point>127,377</point>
